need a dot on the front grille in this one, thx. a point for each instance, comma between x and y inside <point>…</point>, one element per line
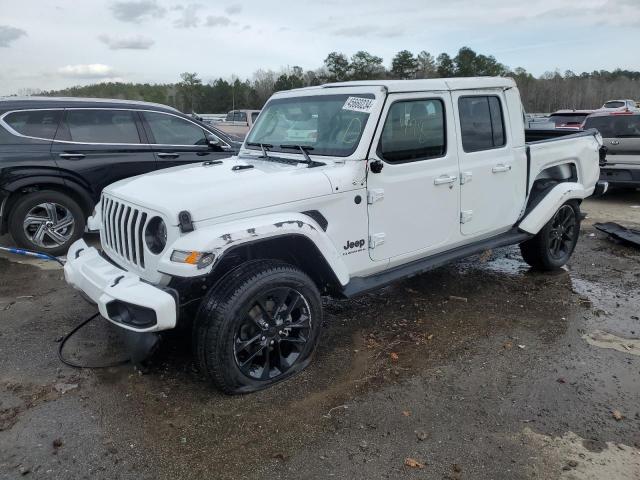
<point>123,231</point>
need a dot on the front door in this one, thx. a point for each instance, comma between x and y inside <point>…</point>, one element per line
<point>178,141</point>
<point>492,171</point>
<point>413,200</point>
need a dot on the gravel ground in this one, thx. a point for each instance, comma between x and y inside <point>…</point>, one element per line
<point>479,370</point>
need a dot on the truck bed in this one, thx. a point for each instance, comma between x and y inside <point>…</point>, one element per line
<point>568,154</point>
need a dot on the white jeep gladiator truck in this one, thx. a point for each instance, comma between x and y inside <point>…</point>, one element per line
<point>400,177</point>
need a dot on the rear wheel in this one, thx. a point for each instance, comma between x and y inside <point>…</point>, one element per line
<point>46,221</point>
<point>258,326</point>
<point>552,247</point>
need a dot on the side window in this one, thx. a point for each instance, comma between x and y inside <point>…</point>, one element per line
<point>172,130</point>
<point>36,123</point>
<point>240,117</point>
<point>481,123</point>
<point>254,117</point>
<point>101,126</point>
<point>414,130</point>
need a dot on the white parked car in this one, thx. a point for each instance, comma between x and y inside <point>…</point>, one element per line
<point>619,106</point>
<point>399,178</point>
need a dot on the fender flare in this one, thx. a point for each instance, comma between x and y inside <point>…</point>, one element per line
<point>222,237</point>
<point>549,205</point>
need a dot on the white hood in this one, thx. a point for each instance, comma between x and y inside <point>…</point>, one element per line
<point>217,190</point>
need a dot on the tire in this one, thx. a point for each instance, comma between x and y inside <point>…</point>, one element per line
<point>56,222</point>
<point>257,326</point>
<point>552,247</point>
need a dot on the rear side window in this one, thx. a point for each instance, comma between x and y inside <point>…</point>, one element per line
<point>414,130</point>
<point>254,116</point>
<point>615,126</point>
<point>172,130</point>
<point>614,104</point>
<point>102,126</point>
<point>481,123</point>
<point>36,123</point>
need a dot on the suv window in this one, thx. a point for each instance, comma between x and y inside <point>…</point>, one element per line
<point>36,123</point>
<point>615,126</point>
<point>101,126</point>
<point>481,123</point>
<point>172,130</point>
<point>614,104</point>
<point>413,130</point>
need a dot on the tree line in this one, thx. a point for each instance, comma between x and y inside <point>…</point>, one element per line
<point>546,93</point>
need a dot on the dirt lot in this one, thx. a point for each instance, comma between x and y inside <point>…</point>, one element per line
<point>480,370</point>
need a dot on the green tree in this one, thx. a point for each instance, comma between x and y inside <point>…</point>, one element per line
<point>337,65</point>
<point>445,66</point>
<point>426,65</point>
<point>190,90</point>
<point>365,66</point>
<point>465,63</point>
<point>404,65</point>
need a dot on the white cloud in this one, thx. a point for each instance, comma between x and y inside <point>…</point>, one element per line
<point>190,16</point>
<point>233,9</point>
<point>217,21</point>
<point>90,71</point>
<point>10,34</point>
<point>137,42</point>
<point>137,10</point>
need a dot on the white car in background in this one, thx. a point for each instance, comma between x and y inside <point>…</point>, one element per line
<point>619,106</point>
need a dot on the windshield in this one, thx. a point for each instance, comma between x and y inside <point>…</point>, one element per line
<point>615,104</point>
<point>331,124</point>
<point>612,126</point>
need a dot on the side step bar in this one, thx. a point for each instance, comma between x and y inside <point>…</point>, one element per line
<point>360,285</point>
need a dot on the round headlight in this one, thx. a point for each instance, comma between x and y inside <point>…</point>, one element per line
<point>155,235</point>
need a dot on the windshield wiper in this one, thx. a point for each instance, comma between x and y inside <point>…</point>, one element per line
<point>263,146</point>
<point>305,153</point>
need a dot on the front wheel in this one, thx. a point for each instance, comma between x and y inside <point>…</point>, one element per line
<point>552,247</point>
<point>258,326</point>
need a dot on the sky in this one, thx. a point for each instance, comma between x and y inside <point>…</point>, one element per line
<point>51,44</point>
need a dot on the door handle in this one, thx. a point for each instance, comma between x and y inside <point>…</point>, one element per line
<point>501,167</point>
<point>72,155</point>
<point>168,155</point>
<point>445,179</point>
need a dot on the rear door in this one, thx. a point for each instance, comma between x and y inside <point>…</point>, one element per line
<point>25,143</point>
<point>178,141</point>
<point>99,146</point>
<point>492,177</point>
<point>413,200</point>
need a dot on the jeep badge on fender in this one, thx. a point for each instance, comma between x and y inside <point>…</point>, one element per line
<point>356,244</point>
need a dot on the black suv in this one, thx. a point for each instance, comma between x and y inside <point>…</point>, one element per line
<point>57,154</point>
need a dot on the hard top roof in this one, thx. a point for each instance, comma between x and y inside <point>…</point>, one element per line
<point>398,86</point>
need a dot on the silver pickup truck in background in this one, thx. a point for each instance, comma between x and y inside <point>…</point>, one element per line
<point>238,122</point>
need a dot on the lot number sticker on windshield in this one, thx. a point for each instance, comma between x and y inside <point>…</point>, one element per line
<point>358,104</point>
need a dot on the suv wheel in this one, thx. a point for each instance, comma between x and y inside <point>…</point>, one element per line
<point>258,326</point>
<point>46,221</point>
<point>552,247</point>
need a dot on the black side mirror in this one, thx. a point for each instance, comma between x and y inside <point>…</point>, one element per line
<point>212,141</point>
